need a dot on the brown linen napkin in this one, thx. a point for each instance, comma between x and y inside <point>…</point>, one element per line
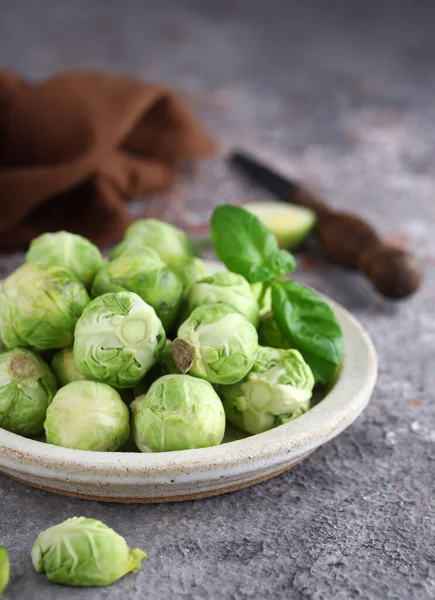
<point>75,147</point>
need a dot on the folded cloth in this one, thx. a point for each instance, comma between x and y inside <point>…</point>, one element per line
<point>75,147</point>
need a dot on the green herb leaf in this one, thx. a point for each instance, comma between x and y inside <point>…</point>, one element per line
<point>4,569</point>
<point>310,326</point>
<point>246,246</point>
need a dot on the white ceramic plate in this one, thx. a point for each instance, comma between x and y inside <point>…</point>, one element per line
<point>190,474</point>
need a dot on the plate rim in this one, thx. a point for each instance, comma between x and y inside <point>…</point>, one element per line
<point>337,410</point>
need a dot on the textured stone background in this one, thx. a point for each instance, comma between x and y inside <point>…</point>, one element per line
<point>341,95</point>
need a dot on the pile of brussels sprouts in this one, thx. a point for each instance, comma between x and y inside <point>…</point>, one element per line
<point>151,344</point>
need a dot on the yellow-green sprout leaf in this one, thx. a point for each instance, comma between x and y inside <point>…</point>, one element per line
<point>64,367</point>
<point>4,569</point>
<point>27,387</point>
<point>84,552</point>
<point>73,252</point>
<point>216,343</point>
<point>289,223</point>
<point>39,307</point>
<point>276,390</point>
<point>86,415</point>
<point>178,412</point>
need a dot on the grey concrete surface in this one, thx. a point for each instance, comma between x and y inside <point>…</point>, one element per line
<point>341,95</point>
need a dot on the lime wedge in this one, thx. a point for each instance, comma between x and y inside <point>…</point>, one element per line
<point>4,569</point>
<point>289,223</point>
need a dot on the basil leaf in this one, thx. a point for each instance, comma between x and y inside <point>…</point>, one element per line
<point>246,246</point>
<point>310,326</point>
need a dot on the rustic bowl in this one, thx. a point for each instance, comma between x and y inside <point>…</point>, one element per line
<point>191,474</point>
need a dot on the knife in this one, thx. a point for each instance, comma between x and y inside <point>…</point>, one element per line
<point>345,238</point>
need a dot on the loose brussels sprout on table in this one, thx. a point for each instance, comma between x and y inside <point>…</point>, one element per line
<point>27,386</point>
<point>84,552</point>
<point>86,415</point>
<point>118,339</point>
<point>39,307</point>
<point>4,569</point>
<point>277,389</point>
<point>172,244</point>
<point>216,343</point>
<point>178,412</point>
<point>64,249</point>
<point>64,367</point>
<point>225,287</point>
<point>148,276</point>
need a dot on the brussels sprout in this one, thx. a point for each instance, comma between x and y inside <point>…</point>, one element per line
<point>191,272</point>
<point>147,275</point>
<point>67,250</point>
<point>39,307</point>
<point>171,243</point>
<point>276,390</point>
<point>270,334</point>
<point>216,343</point>
<point>225,287</point>
<point>164,366</point>
<point>84,552</point>
<point>178,412</point>
<point>64,367</point>
<point>86,415</point>
<point>27,387</point>
<point>4,569</point>
<point>118,339</point>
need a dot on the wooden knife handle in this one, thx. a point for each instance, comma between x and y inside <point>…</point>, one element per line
<point>347,239</point>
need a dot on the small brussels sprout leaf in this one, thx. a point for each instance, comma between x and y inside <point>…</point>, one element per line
<point>84,552</point>
<point>277,389</point>
<point>164,366</point>
<point>172,244</point>
<point>118,339</point>
<point>225,287</point>
<point>246,247</point>
<point>39,307</point>
<point>86,415</point>
<point>145,274</point>
<point>72,252</point>
<point>64,367</point>
<point>178,412</point>
<point>216,343</point>
<point>289,223</point>
<point>4,569</point>
<point>27,387</point>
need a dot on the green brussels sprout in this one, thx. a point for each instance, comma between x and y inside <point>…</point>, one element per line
<point>164,366</point>
<point>147,275</point>
<point>27,386</point>
<point>216,343</point>
<point>4,569</point>
<point>72,252</point>
<point>171,243</point>
<point>270,334</point>
<point>178,412</point>
<point>40,306</point>
<point>86,415</point>
<point>190,272</point>
<point>84,552</point>
<point>225,287</point>
<point>277,389</point>
<point>118,339</point>
<point>64,367</point>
